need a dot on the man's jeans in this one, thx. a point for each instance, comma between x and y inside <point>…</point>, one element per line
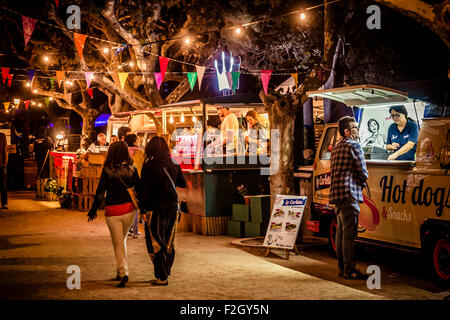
<point>346,233</point>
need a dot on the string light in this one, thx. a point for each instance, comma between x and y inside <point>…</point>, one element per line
<point>28,84</point>
<point>187,40</point>
<point>35,91</point>
<point>39,104</point>
<point>45,58</point>
<point>51,98</point>
<point>194,119</point>
<point>105,50</point>
<point>302,16</point>
<point>33,103</point>
<point>182,117</point>
<point>238,30</point>
<point>120,66</point>
<point>131,64</point>
<point>16,101</point>
<point>171,118</point>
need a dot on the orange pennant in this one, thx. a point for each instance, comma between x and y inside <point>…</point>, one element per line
<point>79,43</point>
<point>60,76</point>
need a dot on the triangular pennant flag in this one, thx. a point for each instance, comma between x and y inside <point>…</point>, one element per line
<point>47,101</point>
<point>31,74</point>
<point>192,77</point>
<point>159,79</point>
<point>88,76</point>
<point>123,78</point>
<point>235,77</point>
<point>200,73</point>
<point>79,43</point>
<point>265,77</point>
<point>90,92</point>
<point>5,72</point>
<point>295,76</point>
<point>60,76</point>
<point>6,104</point>
<point>57,3</point>
<point>28,27</point>
<point>163,62</point>
<point>27,102</point>
<point>52,83</point>
<point>10,76</point>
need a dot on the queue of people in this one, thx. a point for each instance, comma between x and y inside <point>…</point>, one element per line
<point>134,182</point>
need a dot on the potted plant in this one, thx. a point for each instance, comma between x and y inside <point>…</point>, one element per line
<point>50,189</point>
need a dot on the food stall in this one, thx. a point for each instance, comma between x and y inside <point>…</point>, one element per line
<point>214,180</point>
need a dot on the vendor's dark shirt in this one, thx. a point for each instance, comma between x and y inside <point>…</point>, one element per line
<point>409,133</point>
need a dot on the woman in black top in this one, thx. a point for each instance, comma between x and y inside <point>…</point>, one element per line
<point>157,194</point>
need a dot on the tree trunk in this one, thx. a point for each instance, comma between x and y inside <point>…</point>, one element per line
<point>88,129</point>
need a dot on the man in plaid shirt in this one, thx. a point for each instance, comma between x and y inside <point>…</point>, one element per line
<point>348,177</point>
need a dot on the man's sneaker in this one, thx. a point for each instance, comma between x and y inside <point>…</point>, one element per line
<point>355,275</point>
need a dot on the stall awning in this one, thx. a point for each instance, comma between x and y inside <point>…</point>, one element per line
<point>102,120</point>
<point>362,95</point>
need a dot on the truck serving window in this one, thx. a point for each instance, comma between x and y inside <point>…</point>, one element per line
<point>328,143</point>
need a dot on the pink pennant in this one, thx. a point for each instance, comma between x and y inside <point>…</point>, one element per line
<point>27,102</point>
<point>90,92</point>
<point>28,27</point>
<point>265,77</point>
<point>159,79</point>
<point>163,62</point>
<point>88,76</point>
<point>10,76</point>
<point>5,72</point>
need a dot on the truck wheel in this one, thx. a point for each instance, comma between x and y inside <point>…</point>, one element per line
<point>440,260</point>
<point>332,236</point>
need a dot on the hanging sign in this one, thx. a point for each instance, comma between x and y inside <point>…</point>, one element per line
<point>285,221</point>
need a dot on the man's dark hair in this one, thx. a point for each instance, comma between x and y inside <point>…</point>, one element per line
<point>131,139</point>
<point>122,132</point>
<point>344,123</point>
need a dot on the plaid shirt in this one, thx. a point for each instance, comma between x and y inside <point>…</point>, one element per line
<point>348,171</point>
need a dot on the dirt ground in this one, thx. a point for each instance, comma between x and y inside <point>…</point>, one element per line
<point>39,240</point>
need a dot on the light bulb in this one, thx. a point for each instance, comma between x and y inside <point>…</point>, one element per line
<point>238,30</point>
<point>45,58</point>
<point>131,64</point>
<point>33,103</point>
<point>67,82</point>
<point>120,67</point>
<point>171,119</point>
<point>16,101</point>
<point>35,91</point>
<point>302,16</point>
<point>51,98</point>
<point>105,50</point>
<point>28,84</point>
<point>182,117</point>
<point>194,119</point>
<point>187,40</point>
<point>39,104</point>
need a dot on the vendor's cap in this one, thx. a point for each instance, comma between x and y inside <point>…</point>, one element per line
<point>399,108</point>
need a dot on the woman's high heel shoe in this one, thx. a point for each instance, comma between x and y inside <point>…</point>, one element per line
<point>123,282</point>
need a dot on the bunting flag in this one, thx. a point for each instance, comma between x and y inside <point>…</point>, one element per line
<point>265,77</point>
<point>31,74</point>
<point>28,27</point>
<point>47,101</point>
<point>6,104</point>
<point>59,76</point>
<point>120,49</point>
<point>159,79</point>
<point>295,76</point>
<point>10,76</point>
<point>163,62</point>
<point>235,79</point>
<point>200,73</point>
<point>27,102</point>
<point>5,72</point>
<point>123,78</point>
<point>79,43</point>
<point>52,83</point>
<point>192,77</point>
<point>88,76</point>
<point>90,92</point>
<point>57,3</point>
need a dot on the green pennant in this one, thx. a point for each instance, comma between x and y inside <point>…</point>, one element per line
<point>47,101</point>
<point>235,77</point>
<point>52,83</point>
<point>192,78</point>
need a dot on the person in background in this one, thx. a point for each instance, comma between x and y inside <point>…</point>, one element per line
<point>42,147</point>
<point>138,156</point>
<point>113,139</point>
<point>122,132</point>
<point>348,177</point>
<point>99,145</point>
<point>402,135</point>
<point>257,136</point>
<point>157,193</point>
<point>117,175</point>
<point>3,170</point>
<point>229,131</point>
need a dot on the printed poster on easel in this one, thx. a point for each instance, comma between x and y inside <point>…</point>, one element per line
<point>285,222</point>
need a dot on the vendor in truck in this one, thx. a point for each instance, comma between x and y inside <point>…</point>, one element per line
<point>402,135</point>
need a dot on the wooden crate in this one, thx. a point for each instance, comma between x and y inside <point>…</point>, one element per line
<point>214,226</point>
<point>40,188</point>
<point>85,202</point>
<point>30,171</point>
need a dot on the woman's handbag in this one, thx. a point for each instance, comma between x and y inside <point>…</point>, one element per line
<point>132,194</point>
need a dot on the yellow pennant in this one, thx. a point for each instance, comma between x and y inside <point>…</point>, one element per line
<point>295,76</point>
<point>6,104</point>
<point>123,78</point>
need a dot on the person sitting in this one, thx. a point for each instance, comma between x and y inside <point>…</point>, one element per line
<point>113,139</point>
<point>99,145</point>
<point>402,135</point>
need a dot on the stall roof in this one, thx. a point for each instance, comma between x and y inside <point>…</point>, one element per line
<point>362,95</point>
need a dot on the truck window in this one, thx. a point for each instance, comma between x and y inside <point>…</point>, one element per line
<point>328,144</point>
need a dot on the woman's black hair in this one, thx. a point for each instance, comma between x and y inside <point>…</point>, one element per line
<point>370,121</point>
<point>131,139</point>
<point>400,109</point>
<point>117,154</point>
<point>157,149</point>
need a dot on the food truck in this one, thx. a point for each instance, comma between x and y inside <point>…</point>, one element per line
<point>406,203</point>
<point>214,180</point>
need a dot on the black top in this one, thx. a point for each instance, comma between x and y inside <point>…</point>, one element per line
<point>116,191</point>
<point>155,189</point>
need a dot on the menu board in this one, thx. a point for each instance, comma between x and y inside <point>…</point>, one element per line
<point>285,221</point>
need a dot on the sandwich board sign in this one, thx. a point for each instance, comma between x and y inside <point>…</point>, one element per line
<point>285,222</point>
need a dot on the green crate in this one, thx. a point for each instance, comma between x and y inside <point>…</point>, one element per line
<point>241,212</point>
<point>236,229</point>
<point>253,230</point>
<point>260,208</point>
